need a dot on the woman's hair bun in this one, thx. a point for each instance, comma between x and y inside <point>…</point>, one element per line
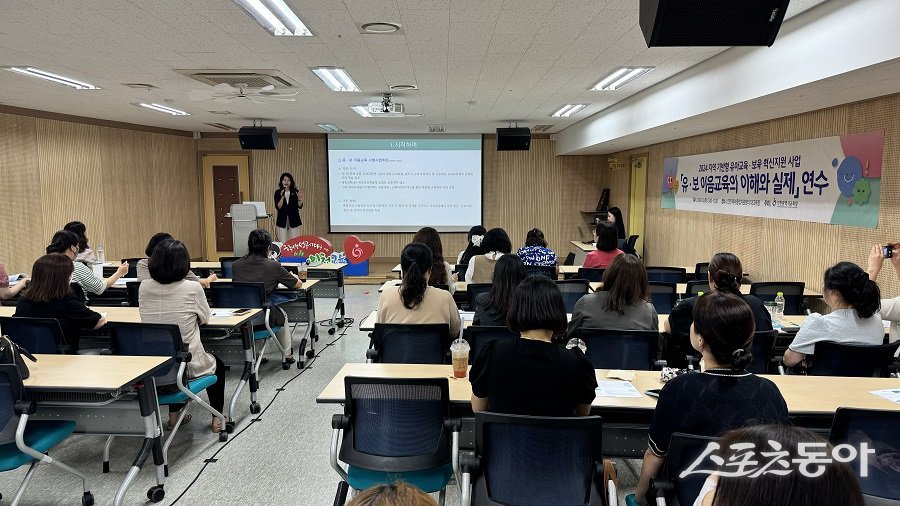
<point>740,358</point>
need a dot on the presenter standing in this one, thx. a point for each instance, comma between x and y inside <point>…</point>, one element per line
<point>288,202</point>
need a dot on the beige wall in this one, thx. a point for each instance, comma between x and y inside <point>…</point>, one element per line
<point>772,249</point>
<point>123,184</point>
<point>522,190</point>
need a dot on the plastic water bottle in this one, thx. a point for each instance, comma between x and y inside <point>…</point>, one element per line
<point>101,254</point>
<point>779,311</point>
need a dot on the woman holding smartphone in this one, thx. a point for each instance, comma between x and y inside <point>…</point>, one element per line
<point>288,202</point>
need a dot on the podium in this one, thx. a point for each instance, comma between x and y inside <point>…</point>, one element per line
<point>244,219</point>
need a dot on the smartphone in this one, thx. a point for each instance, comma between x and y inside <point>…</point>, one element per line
<point>653,393</point>
<point>241,311</point>
<point>887,250</point>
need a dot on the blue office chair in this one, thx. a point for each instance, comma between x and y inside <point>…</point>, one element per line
<point>880,430</point>
<point>792,290</point>
<point>532,461</point>
<point>479,335</point>
<point>251,295</point>
<point>393,430</point>
<point>695,286</point>
<point>164,340</point>
<point>474,290</point>
<point>684,449</point>
<point>762,350</point>
<point>572,291</point>
<point>701,271</point>
<point>226,264</point>
<point>23,442</point>
<point>37,335</point>
<point>398,343</point>
<point>835,359</point>
<point>666,274</point>
<point>592,275</point>
<point>663,296</point>
<point>621,349</point>
<point>133,289</point>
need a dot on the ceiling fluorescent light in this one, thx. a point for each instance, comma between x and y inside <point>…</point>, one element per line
<point>568,110</point>
<point>162,108</point>
<point>621,77</point>
<point>362,110</point>
<point>337,79</point>
<point>43,74</point>
<point>276,17</point>
<point>328,127</point>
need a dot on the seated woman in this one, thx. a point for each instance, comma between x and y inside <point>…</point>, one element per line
<point>49,295</point>
<point>532,375</point>
<point>836,485</point>
<point>622,303</point>
<point>414,301</point>
<point>854,318</point>
<point>257,267</point>
<point>725,272</point>
<point>481,267</point>
<point>66,242</point>
<point>143,265</point>
<point>473,247</point>
<point>167,297</point>
<point>430,237</point>
<point>87,254</point>
<point>722,397</point>
<point>7,291</point>
<point>491,307</point>
<point>890,308</point>
<point>535,253</point>
<point>607,247</point>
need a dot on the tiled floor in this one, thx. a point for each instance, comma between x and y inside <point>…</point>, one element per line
<point>281,458</point>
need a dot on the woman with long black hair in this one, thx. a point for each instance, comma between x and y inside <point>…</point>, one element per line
<point>414,301</point>
<point>288,202</point>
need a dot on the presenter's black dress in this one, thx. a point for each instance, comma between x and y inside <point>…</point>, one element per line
<point>289,214</point>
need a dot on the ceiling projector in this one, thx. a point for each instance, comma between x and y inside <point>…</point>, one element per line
<point>386,108</point>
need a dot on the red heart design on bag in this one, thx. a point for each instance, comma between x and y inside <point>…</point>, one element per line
<point>357,250</point>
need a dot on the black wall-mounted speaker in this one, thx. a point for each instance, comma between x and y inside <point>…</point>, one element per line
<point>258,137</point>
<point>513,139</point>
<point>711,23</point>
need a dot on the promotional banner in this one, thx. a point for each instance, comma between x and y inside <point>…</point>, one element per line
<point>829,180</point>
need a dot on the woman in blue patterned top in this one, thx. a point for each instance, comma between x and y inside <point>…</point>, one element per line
<point>535,253</point>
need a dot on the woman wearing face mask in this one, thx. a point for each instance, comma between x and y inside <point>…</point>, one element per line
<point>288,202</point>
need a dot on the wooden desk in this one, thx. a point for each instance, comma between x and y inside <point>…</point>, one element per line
<point>103,374</point>
<point>367,324</point>
<point>133,315</point>
<point>804,394</point>
<point>745,289</point>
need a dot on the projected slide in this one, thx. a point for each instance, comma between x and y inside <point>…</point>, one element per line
<point>402,183</point>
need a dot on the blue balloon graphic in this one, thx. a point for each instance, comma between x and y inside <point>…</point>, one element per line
<point>848,174</point>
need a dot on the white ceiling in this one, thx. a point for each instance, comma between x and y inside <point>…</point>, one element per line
<point>477,63</point>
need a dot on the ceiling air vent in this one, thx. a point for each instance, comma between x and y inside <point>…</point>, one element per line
<point>247,78</point>
<point>436,129</point>
<point>541,128</point>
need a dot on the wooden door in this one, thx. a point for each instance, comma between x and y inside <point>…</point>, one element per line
<point>226,191</point>
<point>226,181</point>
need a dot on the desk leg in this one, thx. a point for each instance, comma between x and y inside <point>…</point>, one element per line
<point>246,376</point>
<point>152,445</point>
<point>310,335</point>
<point>339,307</point>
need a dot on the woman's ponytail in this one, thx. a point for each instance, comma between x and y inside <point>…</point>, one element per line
<point>415,260</point>
<point>855,287</point>
<point>740,359</point>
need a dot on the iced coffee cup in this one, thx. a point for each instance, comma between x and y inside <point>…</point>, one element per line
<point>459,353</point>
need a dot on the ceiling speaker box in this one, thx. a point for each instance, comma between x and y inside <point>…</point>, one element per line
<point>513,139</point>
<point>258,137</point>
<point>711,23</point>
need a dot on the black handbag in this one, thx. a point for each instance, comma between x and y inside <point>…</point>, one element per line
<point>11,353</point>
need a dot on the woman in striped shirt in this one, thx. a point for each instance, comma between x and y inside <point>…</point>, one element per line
<point>66,242</point>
